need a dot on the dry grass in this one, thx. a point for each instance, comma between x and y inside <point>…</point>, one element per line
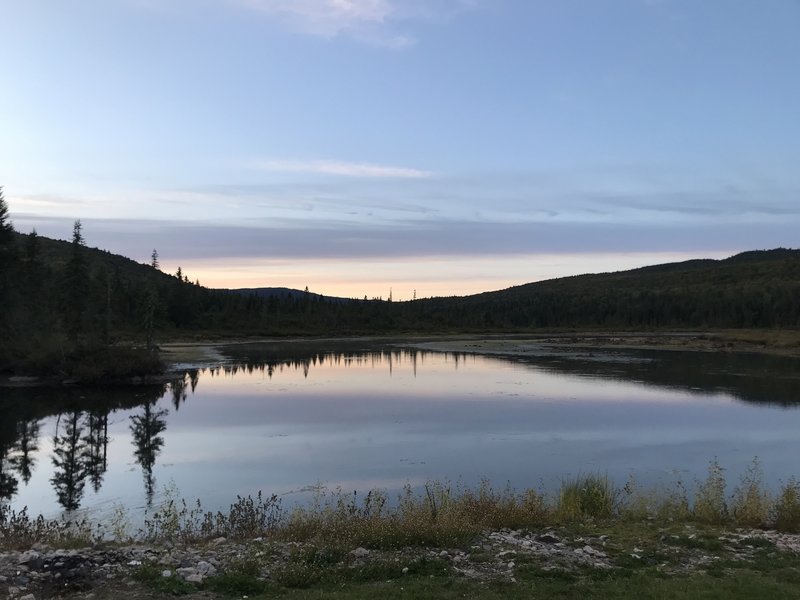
<point>441,515</point>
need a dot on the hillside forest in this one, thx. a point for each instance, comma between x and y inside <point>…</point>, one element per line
<point>73,310</point>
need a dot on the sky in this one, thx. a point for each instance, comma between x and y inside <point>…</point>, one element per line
<point>435,147</point>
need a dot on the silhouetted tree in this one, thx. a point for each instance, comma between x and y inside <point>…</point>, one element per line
<point>154,260</point>
<point>149,306</point>
<point>6,227</point>
<point>77,284</point>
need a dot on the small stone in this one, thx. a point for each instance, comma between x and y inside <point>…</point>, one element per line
<point>131,563</point>
<point>511,565</point>
<point>548,538</point>
<point>194,578</point>
<point>219,540</point>
<point>405,571</point>
<point>444,554</point>
<point>360,552</point>
<point>28,597</point>
<point>13,591</point>
<point>166,573</point>
<point>206,568</point>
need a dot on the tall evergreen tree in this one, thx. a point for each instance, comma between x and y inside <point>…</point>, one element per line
<point>76,284</point>
<point>6,228</point>
<point>7,266</point>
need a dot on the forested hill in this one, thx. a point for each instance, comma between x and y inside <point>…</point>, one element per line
<point>64,301</point>
<point>751,289</point>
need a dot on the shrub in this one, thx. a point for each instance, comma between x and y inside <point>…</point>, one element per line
<point>590,496</point>
<point>751,501</point>
<point>787,508</point>
<point>709,500</point>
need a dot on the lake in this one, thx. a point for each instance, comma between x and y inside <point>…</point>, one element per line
<point>286,418</point>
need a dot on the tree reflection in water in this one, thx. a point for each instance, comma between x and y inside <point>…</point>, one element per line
<point>96,440</point>
<point>69,451</point>
<point>27,446</point>
<point>146,429</point>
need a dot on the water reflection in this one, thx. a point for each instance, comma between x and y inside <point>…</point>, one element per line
<point>28,445</point>
<point>331,409</point>
<point>147,428</point>
<point>69,450</point>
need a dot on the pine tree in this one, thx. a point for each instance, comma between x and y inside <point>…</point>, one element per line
<point>154,260</point>
<point>76,284</point>
<point>6,228</point>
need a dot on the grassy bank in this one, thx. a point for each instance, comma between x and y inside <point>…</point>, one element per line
<point>590,539</point>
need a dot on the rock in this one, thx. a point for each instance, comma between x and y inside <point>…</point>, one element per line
<point>194,578</point>
<point>592,552</point>
<point>206,568</point>
<point>548,538</point>
<point>166,573</point>
<point>28,597</point>
<point>219,540</point>
<point>444,554</point>
<point>405,571</point>
<point>359,552</point>
<point>186,571</point>
<point>13,591</point>
<point>511,565</point>
<point>28,556</point>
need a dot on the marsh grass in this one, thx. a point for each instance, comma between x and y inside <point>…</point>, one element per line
<point>441,515</point>
<point>709,500</point>
<point>587,496</point>
<point>179,522</point>
<point>19,531</point>
<point>786,509</point>
<point>662,504</point>
<point>751,501</point>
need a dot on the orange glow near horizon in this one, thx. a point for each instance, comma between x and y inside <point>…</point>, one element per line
<point>429,276</point>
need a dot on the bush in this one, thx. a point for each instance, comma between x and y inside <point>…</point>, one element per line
<point>591,496</point>
<point>751,502</point>
<point>787,508</point>
<point>709,500</point>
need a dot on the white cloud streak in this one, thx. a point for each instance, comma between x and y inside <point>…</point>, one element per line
<point>368,21</point>
<point>340,168</point>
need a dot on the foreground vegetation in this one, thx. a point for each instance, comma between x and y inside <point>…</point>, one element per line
<point>590,539</point>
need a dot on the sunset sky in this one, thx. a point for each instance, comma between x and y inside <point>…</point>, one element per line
<point>442,146</point>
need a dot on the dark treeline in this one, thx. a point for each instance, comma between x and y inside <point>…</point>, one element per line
<point>77,311</point>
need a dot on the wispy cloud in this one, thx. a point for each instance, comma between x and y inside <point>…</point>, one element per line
<point>370,21</point>
<point>340,168</point>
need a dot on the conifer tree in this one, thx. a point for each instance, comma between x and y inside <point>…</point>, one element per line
<point>6,228</point>
<point>77,284</point>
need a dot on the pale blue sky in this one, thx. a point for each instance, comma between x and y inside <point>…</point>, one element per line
<point>446,146</point>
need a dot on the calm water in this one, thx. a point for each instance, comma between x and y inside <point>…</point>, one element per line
<point>386,418</point>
